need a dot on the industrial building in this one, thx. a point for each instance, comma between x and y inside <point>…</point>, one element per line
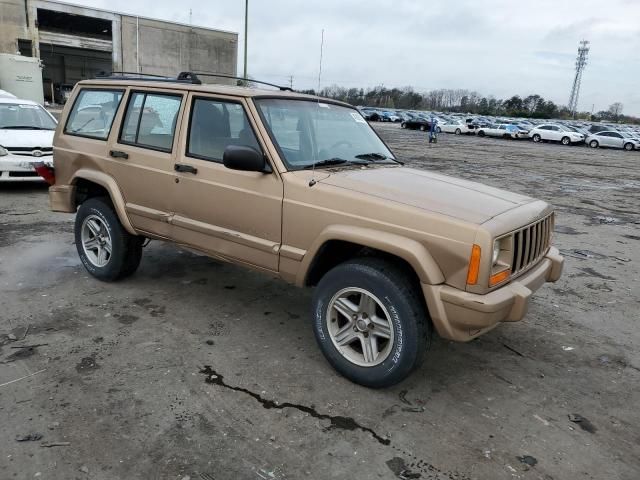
<point>76,43</point>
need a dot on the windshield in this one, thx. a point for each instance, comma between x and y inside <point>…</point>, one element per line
<point>25,116</point>
<point>308,132</point>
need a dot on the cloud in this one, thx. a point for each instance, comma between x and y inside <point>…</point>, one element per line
<point>498,48</point>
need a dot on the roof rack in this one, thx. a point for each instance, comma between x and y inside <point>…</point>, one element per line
<point>183,77</point>
<point>141,76</point>
<point>194,77</point>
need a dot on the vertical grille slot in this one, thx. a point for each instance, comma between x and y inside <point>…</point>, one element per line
<point>530,244</point>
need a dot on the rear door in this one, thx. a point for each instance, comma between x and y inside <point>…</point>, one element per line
<point>143,154</point>
<point>230,213</point>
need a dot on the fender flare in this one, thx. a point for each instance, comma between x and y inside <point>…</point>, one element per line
<point>413,252</point>
<point>115,194</point>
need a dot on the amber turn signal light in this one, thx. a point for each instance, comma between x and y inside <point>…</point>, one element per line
<point>498,277</point>
<point>474,265</point>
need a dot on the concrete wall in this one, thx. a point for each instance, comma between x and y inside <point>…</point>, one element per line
<point>13,24</point>
<point>165,49</point>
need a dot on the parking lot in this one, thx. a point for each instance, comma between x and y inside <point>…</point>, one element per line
<point>197,369</point>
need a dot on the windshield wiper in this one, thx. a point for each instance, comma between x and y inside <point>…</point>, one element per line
<point>24,127</point>
<point>375,156</point>
<point>327,162</point>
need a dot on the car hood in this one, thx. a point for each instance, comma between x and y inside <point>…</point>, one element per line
<point>26,138</point>
<point>453,197</point>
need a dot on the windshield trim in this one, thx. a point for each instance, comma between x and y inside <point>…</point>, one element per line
<point>311,99</point>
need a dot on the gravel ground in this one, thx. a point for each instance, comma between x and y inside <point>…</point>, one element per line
<point>202,370</point>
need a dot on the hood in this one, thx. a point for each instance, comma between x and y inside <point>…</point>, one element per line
<point>26,138</point>
<point>460,199</point>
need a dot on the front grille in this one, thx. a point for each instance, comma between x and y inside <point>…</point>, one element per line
<point>530,244</point>
<point>28,152</point>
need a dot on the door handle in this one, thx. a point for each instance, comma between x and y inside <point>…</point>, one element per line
<point>118,154</point>
<point>182,168</point>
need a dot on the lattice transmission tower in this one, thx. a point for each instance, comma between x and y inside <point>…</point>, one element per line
<point>581,62</point>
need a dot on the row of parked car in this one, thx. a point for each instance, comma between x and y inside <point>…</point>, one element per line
<point>594,135</point>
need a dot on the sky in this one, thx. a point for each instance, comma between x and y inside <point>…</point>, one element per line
<point>495,47</point>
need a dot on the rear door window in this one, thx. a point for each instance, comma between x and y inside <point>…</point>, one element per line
<point>150,121</point>
<point>93,112</point>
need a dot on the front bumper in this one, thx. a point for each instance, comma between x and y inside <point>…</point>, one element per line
<point>14,168</point>
<point>463,316</point>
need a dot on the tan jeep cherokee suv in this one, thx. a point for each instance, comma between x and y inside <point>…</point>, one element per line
<point>302,188</point>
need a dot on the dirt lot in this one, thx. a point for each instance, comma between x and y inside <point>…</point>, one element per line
<point>120,371</point>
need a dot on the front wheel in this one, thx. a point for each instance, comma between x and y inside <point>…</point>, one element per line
<point>369,322</point>
<point>566,141</point>
<point>106,249</point>
<point>481,133</point>
<point>438,130</point>
<point>423,128</point>
<point>593,144</point>
<point>628,146</point>
<point>458,131</point>
<point>403,125</point>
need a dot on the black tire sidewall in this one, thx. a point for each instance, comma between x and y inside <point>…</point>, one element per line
<point>567,142</point>
<point>537,138</point>
<point>407,342</point>
<point>594,144</point>
<point>119,247</point>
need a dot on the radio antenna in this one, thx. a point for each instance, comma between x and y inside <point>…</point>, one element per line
<point>312,182</point>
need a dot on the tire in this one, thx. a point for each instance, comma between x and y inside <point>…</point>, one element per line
<point>97,215</point>
<point>594,144</point>
<point>403,125</point>
<point>458,131</point>
<point>481,133</point>
<point>438,130</point>
<point>628,146</point>
<point>391,291</point>
<point>565,141</point>
<point>423,128</point>
<point>536,138</point>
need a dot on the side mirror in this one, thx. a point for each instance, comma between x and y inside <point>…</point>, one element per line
<point>247,159</point>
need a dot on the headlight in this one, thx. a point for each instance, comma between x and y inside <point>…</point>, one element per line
<point>496,252</point>
<point>3,151</point>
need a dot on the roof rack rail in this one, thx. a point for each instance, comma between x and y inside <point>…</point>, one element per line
<point>142,76</point>
<point>183,77</point>
<point>194,77</point>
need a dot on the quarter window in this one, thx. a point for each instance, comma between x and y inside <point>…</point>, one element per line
<point>92,113</point>
<point>150,121</point>
<point>215,125</point>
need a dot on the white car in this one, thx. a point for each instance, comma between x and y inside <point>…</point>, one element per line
<point>613,140</point>
<point>457,128</point>
<point>504,130</point>
<point>26,138</point>
<point>555,133</point>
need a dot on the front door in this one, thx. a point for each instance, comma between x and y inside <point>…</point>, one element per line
<point>233,214</point>
<point>143,155</point>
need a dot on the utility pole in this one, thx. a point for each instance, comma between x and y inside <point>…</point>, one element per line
<point>581,62</point>
<point>291,82</point>
<point>246,31</point>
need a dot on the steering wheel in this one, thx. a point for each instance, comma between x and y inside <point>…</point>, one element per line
<point>346,143</point>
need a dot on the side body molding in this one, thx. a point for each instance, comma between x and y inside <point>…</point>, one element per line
<point>409,250</point>
<point>114,192</point>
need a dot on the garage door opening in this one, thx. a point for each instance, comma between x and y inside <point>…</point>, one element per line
<point>72,48</point>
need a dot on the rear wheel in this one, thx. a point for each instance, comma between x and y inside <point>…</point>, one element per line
<point>536,138</point>
<point>106,249</point>
<point>458,131</point>
<point>403,125</point>
<point>423,128</point>
<point>438,130</point>
<point>369,322</point>
<point>566,141</point>
<point>628,146</point>
<point>481,133</point>
<point>593,144</point>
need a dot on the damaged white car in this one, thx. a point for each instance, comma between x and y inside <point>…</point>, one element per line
<point>26,139</point>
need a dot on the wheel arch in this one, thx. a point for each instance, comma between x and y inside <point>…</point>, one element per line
<point>338,243</point>
<point>93,182</point>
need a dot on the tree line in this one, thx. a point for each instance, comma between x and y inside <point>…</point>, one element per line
<point>465,101</point>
